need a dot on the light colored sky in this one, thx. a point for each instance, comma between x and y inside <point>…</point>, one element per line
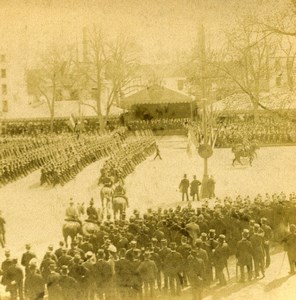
<point>159,25</point>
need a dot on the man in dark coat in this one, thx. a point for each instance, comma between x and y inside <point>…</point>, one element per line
<point>244,255</point>
<point>69,286</point>
<point>220,257</point>
<point>91,211</point>
<point>194,188</point>
<point>4,267</point>
<point>102,272</point>
<point>268,235</point>
<point>195,271</point>
<point>257,240</point>
<point>27,256</point>
<point>15,279</point>
<point>211,187</point>
<point>52,283</point>
<point>290,246</point>
<point>148,272</point>
<point>123,273</point>
<point>173,266</point>
<point>183,187</point>
<point>34,284</point>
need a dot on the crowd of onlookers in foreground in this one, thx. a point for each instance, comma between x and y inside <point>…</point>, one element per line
<point>160,251</point>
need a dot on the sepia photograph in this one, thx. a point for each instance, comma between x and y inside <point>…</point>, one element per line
<point>147,149</point>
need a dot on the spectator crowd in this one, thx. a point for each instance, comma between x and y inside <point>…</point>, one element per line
<point>161,251</point>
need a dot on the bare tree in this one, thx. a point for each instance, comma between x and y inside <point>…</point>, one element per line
<point>51,75</point>
<point>246,60</point>
<point>108,65</point>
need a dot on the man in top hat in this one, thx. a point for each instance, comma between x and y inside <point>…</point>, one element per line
<point>244,253</point>
<point>194,188</point>
<point>183,187</point>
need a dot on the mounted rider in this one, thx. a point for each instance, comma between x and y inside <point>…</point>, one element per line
<point>105,179</point>
<point>71,213</point>
<point>91,212</point>
<point>119,191</point>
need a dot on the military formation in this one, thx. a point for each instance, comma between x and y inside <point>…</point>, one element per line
<point>123,161</point>
<point>60,157</point>
<point>69,158</point>
<point>160,252</point>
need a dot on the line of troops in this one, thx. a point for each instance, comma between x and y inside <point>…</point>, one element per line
<point>124,161</point>
<point>61,156</point>
<point>70,159</point>
<point>158,252</point>
<point>20,156</point>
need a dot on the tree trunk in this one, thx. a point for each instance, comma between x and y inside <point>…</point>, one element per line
<point>51,122</point>
<point>255,111</point>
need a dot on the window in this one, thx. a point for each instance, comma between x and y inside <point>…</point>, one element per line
<point>4,106</point>
<point>4,89</point>
<point>2,58</point>
<point>3,73</point>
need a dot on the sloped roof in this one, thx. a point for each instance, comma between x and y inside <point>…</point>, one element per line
<point>278,100</point>
<point>155,95</point>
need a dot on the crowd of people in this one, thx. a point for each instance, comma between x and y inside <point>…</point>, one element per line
<point>265,131</point>
<point>160,251</point>
<point>60,125</point>
<point>158,124</point>
<point>229,132</point>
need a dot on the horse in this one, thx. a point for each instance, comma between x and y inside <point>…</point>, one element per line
<point>239,151</point>
<point>71,229</point>
<point>89,228</point>
<point>119,206</point>
<point>106,193</point>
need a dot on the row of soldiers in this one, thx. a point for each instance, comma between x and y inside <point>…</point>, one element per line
<point>123,161</point>
<point>60,156</point>
<point>71,158</point>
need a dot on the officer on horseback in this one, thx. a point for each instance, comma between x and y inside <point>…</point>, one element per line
<point>71,213</point>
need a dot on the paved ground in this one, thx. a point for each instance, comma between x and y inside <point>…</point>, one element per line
<point>35,214</point>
